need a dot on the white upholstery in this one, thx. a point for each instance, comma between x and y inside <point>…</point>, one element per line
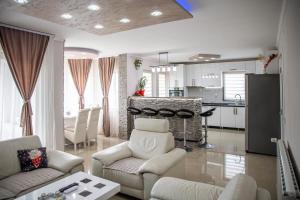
<point>92,124</point>
<point>62,161</point>
<point>152,125</point>
<point>177,189</point>
<point>8,153</point>
<point>146,145</point>
<point>13,182</point>
<point>240,187</point>
<point>78,135</point>
<point>139,163</point>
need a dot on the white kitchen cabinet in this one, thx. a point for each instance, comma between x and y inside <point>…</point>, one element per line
<point>215,119</point>
<point>240,117</point>
<point>228,117</point>
<point>176,77</point>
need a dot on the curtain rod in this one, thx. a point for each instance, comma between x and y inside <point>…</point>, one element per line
<point>24,29</point>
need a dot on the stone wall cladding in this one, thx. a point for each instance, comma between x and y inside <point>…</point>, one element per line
<point>123,96</point>
<point>194,125</point>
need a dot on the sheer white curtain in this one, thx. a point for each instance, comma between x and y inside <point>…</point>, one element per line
<point>10,103</point>
<point>42,102</point>
<point>93,95</point>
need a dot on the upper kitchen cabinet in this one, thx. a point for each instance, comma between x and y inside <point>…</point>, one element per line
<point>176,78</point>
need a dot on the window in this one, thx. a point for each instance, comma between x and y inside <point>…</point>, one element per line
<point>161,85</point>
<point>234,83</point>
<point>148,87</point>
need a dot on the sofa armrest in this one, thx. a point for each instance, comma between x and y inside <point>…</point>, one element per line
<point>178,189</point>
<point>113,154</point>
<point>63,161</point>
<point>160,164</point>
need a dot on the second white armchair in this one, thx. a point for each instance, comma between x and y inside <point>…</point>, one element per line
<point>137,164</point>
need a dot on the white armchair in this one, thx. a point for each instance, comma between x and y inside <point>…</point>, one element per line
<point>92,124</point>
<point>240,187</point>
<point>138,163</point>
<point>78,133</point>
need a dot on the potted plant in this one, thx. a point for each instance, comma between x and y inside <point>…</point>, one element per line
<point>138,63</point>
<point>141,87</point>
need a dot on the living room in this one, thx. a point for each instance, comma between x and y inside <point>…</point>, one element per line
<point>175,99</point>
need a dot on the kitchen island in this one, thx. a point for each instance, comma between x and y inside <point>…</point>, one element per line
<point>194,132</point>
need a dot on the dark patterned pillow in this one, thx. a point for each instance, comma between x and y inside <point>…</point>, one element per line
<point>31,159</point>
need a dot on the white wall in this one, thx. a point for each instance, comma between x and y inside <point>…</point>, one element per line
<point>58,57</point>
<point>289,47</point>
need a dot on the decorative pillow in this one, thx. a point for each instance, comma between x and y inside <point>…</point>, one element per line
<point>31,159</point>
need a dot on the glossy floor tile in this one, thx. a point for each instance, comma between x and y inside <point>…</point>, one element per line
<point>215,166</point>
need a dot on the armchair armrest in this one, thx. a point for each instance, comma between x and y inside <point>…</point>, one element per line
<point>177,189</point>
<point>62,161</point>
<point>161,164</point>
<point>113,154</point>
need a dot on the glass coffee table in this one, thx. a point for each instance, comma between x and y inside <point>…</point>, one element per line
<point>90,188</point>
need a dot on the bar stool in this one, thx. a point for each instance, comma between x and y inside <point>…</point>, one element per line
<point>206,114</point>
<point>150,112</point>
<point>185,114</point>
<point>165,112</point>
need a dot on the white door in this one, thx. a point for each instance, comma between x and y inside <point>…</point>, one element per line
<point>228,117</point>
<point>240,117</point>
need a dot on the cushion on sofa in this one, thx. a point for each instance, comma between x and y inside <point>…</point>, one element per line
<point>26,180</point>
<point>145,144</point>
<point>31,159</point>
<point>8,153</point>
<point>152,125</point>
<point>240,187</point>
<point>6,194</point>
<point>129,165</point>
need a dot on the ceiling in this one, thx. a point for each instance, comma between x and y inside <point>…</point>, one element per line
<point>232,28</point>
<point>109,14</point>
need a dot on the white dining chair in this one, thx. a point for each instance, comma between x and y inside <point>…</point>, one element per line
<point>77,134</point>
<point>92,124</point>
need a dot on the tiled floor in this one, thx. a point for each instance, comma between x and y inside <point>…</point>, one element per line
<point>216,166</point>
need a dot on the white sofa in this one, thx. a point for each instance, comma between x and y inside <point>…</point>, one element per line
<point>138,163</point>
<point>241,187</point>
<point>14,183</point>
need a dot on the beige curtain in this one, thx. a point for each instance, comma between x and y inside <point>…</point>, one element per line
<point>24,52</point>
<point>80,69</point>
<point>106,68</point>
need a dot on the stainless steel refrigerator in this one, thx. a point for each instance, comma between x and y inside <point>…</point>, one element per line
<point>262,112</point>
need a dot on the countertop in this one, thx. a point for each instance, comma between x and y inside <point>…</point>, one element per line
<point>223,104</point>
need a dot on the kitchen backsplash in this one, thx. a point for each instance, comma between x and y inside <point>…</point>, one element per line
<point>207,94</point>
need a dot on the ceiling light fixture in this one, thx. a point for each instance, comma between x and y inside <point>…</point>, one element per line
<point>98,26</point>
<point>207,60</point>
<point>156,13</point>
<point>21,1</point>
<point>66,16</point>
<point>93,7</point>
<point>125,20</point>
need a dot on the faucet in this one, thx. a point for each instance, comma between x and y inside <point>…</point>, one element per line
<point>236,102</point>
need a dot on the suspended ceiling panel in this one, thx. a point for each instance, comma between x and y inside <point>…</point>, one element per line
<point>109,15</point>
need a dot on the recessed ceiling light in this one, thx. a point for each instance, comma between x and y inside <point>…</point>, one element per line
<point>66,16</point>
<point>93,7</point>
<point>200,57</point>
<point>213,58</point>
<point>98,26</point>
<point>156,13</point>
<point>21,1</point>
<point>195,59</point>
<point>206,60</point>
<point>125,20</point>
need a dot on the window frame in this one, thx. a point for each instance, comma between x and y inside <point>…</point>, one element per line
<point>223,82</point>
